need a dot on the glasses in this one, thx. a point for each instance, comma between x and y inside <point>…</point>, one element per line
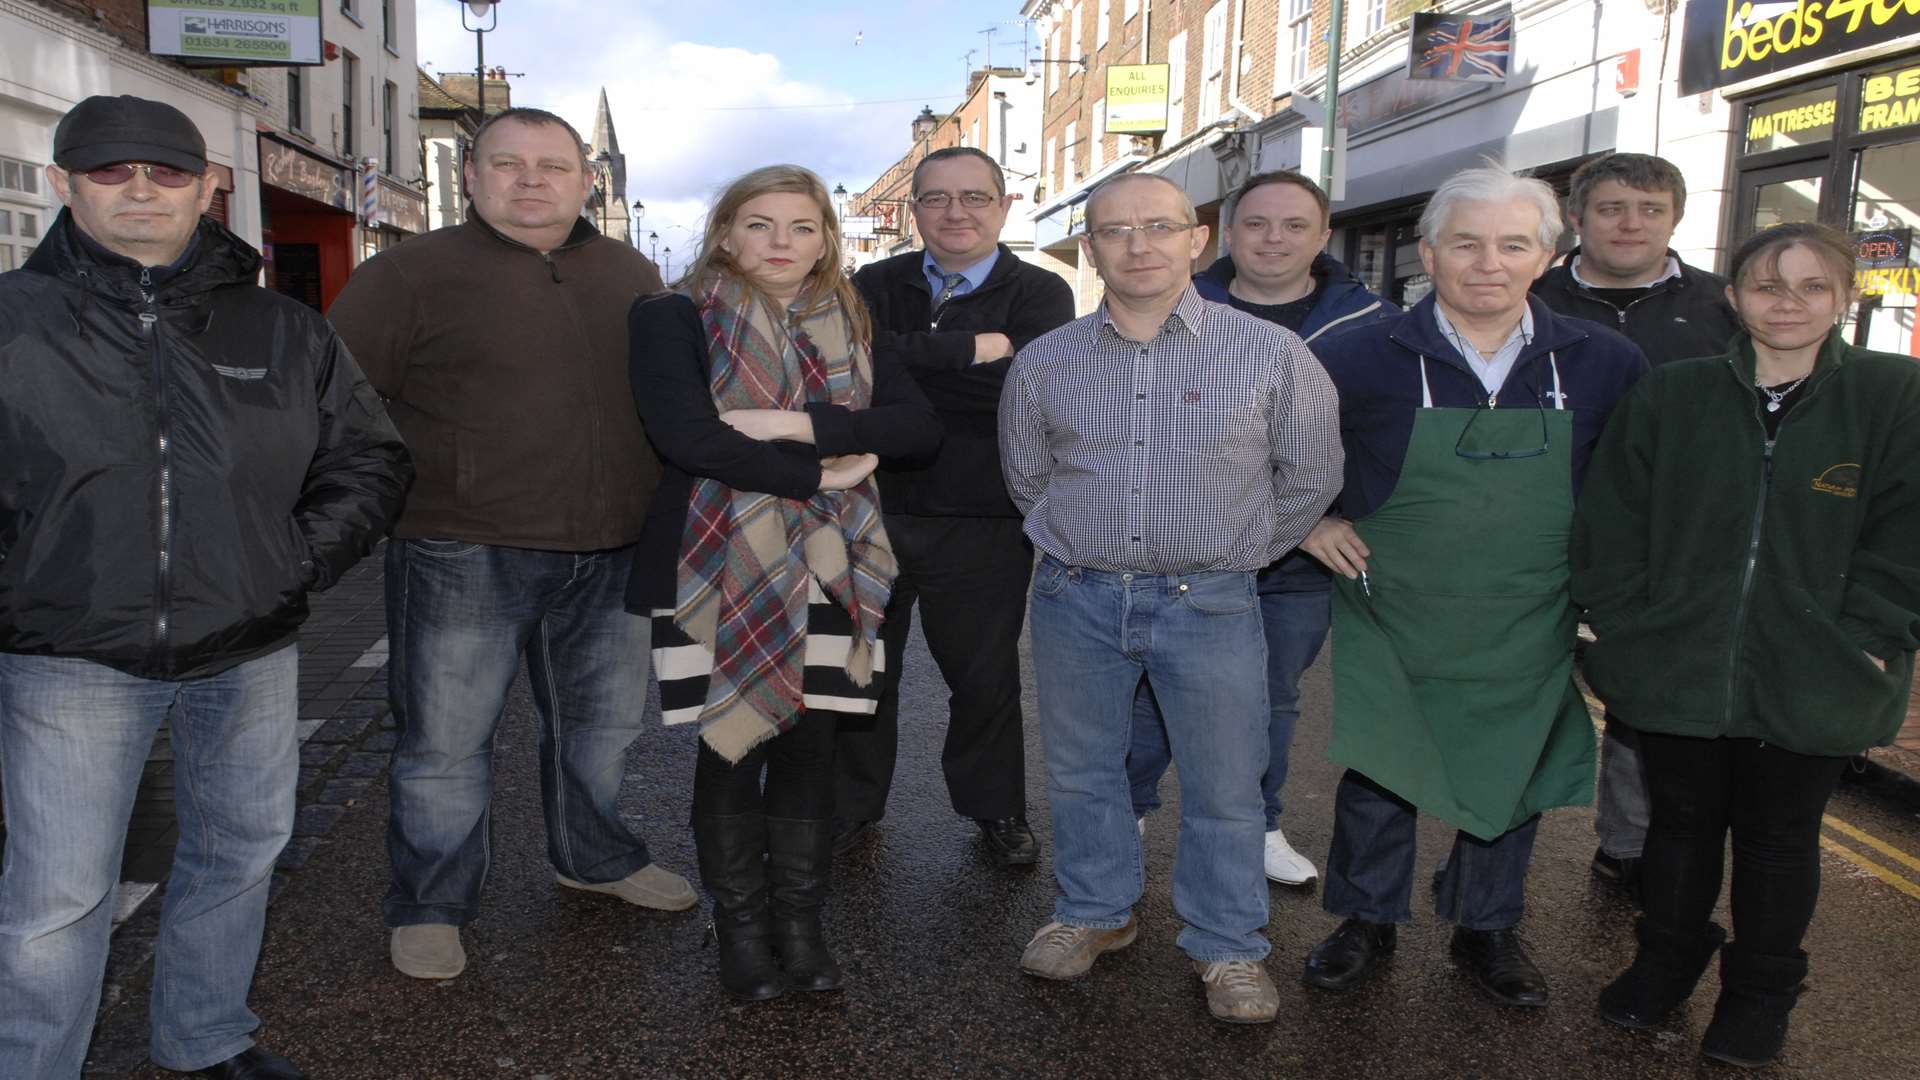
<point>1460,444</point>
<point>164,175</point>
<point>940,200</point>
<point>1152,230</point>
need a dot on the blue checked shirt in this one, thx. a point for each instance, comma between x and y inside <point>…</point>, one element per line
<point>1214,446</point>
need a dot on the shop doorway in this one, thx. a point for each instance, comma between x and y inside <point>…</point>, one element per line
<point>1775,196</point>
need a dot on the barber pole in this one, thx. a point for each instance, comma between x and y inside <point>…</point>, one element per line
<point>370,194</point>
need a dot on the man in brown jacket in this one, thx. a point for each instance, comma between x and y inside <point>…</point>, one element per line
<point>501,348</point>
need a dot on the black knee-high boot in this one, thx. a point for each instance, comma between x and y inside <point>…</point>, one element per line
<point>1665,970</point>
<point>799,858</point>
<point>732,850</point>
<point>1757,991</point>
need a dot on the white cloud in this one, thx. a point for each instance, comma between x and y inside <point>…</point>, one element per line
<point>687,113</point>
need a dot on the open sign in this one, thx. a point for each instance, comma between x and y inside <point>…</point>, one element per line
<point>1883,247</point>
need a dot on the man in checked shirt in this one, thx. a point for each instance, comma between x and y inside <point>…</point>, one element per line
<point>1162,449</point>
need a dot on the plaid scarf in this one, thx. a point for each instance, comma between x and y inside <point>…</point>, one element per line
<point>746,556</point>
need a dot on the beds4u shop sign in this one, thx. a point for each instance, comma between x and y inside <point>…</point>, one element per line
<point>238,32</point>
<point>1730,41</point>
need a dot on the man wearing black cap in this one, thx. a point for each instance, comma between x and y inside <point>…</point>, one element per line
<point>184,456</point>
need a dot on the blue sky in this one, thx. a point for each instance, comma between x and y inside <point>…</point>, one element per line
<point>693,84</point>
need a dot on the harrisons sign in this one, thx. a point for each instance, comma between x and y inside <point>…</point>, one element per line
<point>1728,41</point>
<point>237,32</point>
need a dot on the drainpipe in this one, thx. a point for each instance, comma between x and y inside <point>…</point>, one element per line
<point>1330,119</point>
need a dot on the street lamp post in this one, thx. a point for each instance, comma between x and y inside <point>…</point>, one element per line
<point>666,270</point>
<point>653,245</point>
<point>490,11</point>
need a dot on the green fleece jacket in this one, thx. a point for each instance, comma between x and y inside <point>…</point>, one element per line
<point>1736,585</point>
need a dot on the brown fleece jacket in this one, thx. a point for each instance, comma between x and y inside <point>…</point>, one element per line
<point>506,372</point>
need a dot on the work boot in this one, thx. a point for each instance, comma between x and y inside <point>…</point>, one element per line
<point>1664,972</point>
<point>799,857</point>
<point>732,850</point>
<point>1757,992</point>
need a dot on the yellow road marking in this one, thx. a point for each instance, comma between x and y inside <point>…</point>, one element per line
<point>1873,842</point>
<point>1872,867</point>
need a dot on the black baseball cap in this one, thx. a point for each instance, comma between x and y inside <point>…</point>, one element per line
<point>109,130</point>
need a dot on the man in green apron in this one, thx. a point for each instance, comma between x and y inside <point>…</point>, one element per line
<point>1467,422</point>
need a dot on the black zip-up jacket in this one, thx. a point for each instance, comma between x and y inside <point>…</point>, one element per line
<point>183,457</point>
<point>1018,299</point>
<point>1677,319</point>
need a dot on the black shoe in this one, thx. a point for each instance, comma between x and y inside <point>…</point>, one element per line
<point>799,860</point>
<point>1623,871</point>
<point>1349,956</point>
<point>732,852</point>
<point>1009,840</point>
<point>847,834</point>
<point>1756,993</point>
<point>1500,965</point>
<point>1665,970</point>
<point>253,1063</point>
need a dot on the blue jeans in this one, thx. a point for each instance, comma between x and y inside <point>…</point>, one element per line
<point>74,737</point>
<point>1370,868</point>
<point>1197,637</point>
<point>1295,623</point>
<point>459,618</point>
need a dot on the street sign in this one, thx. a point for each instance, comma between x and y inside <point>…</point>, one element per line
<point>860,228</point>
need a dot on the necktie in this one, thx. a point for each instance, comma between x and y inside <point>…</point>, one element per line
<point>948,283</point>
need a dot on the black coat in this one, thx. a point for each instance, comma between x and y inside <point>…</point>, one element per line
<point>182,458</point>
<point>1678,319</point>
<point>1019,300</point>
<point>669,367</point>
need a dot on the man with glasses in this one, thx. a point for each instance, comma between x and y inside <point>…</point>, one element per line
<point>184,457</point>
<point>1163,449</point>
<point>954,314</point>
<point>1276,269</point>
<point>1468,422</point>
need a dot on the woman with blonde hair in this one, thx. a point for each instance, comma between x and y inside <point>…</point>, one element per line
<point>1748,549</point>
<point>763,563</point>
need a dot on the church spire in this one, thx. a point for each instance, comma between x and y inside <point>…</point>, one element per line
<point>603,133</point>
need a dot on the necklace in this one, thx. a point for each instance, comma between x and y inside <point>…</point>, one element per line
<point>1774,397</point>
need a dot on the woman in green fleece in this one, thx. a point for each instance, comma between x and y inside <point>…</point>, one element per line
<point>1748,551</point>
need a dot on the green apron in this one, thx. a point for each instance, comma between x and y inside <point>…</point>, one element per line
<point>1453,662</point>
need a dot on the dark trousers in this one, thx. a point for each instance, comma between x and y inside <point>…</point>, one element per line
<point>1370,868</point>
<point>1771,799</point>
<point>969,576</point>
<point>798,764</point>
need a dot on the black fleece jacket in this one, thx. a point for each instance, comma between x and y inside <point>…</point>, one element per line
<point>1678,319</point>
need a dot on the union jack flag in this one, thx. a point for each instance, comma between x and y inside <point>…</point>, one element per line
<point>1466,47</point>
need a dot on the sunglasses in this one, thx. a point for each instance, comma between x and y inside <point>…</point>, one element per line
<point>164,175</point>
<point>1462,448</point>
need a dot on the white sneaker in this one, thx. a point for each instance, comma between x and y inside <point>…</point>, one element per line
<point>1285,865</point>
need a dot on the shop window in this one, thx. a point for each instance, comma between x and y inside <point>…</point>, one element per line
<point>1792,120</point>
<point>1890,100</point>
<point>1777,202</point>
<point>1886,212</point>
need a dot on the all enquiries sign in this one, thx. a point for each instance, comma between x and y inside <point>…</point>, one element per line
<point>236,32</point>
